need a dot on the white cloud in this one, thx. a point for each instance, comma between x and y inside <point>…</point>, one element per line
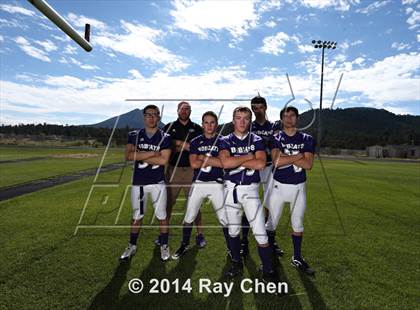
<point>270,5</point>
<point>70,82</point>
<point>270,24</point>
<point>80,21</point>
<point>373,7</point>
<point>1,38</point>
<point>78,63</point>
<point>305,48</point>
<point>70,49</point>
<point>89,67</point>
<point>31,50</point>
<point>135,73</point>
<point>141,42</point>
<point>12,23</point>
<point>62,38</point>
<point>237,17</point>
<point>400,46</point>
<point>418,38</point>
<point>14,9</point>
<point>357,42</point>
<point>47,45</point>
<point>409,2</point>
<point>339,5</point>
<point>390,80</point>
<point>382,84</point>
<point>275,44</point>
<point>414,20</point>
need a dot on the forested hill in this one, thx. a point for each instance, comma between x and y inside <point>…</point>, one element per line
<point>356,128</point>
<point>352,128</point>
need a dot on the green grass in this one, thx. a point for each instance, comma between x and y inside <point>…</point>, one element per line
<point>26,171</point>
<point>12,152</point>
<point>370,264</point>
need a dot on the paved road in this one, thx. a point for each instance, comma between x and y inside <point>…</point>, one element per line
<point>30,187</point>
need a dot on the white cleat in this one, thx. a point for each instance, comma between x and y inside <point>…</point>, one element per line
<point>165,255</point>
<point>129,251</point>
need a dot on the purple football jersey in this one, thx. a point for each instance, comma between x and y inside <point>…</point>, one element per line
<point>265,131</point>
<point>251,143</point>
<point>201,146</point>
<point>145,174</point>
<point>292,145</point>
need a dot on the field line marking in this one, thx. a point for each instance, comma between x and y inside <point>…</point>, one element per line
<point>121,204</point>
<point>83,210</point>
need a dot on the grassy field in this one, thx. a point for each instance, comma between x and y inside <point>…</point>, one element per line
<point>51,162</point>
<point>365,252</point>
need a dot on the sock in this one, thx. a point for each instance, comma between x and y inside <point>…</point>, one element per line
<point>164,238</point>
<point>297,243</point>
<point>133,238</point>
<point>245,229</point>
<point>271,237</point>
<point>235,247</point>
<point>186,233</point>
<point>265,255</point>
<point>226,234</point>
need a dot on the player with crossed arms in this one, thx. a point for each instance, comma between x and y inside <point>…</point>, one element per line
<point>243,154</point>
<point>207,180</point>
<point>292,153</point>
<point>150,149</point>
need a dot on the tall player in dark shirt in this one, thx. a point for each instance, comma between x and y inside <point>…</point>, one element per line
<point>265,129</point>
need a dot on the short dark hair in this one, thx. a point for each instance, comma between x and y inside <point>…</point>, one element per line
<point>242,109</point>
<point>181,104</point>
<point>288,109</point>
<point>151,106</point>
<point>209,113</point>
<point>258,100</point>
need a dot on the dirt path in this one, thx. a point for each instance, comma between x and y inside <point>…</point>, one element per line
<point>30,187</point>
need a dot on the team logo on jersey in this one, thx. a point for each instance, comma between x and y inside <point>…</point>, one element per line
<point>242,149</point>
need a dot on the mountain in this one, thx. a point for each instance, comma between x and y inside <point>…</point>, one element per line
<point>132,119</point>
<point>351,128</point>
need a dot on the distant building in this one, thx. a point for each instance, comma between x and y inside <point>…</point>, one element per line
<point>395,151</point>
<point>375,151</point>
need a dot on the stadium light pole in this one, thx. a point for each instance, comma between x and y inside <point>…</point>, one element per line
<point>322,45</point>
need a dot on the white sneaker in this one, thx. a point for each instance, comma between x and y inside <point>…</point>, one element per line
<point>129,251</point>
<point>164,253</point>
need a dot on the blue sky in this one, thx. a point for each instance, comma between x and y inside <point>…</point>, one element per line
<point>206,49</point>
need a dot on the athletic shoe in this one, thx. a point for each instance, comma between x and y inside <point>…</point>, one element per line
<point>234,270</point>
<point>157,241</point>
<point>302,265</point>
<point>200,241</point>
<point>165,255</point>
<point>181,251</point>
<point>244,249</point>
<point>276,249</point>
<point>129,251</point>
<point>270,277</point>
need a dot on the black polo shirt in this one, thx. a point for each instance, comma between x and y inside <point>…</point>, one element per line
<point>187,132</point>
